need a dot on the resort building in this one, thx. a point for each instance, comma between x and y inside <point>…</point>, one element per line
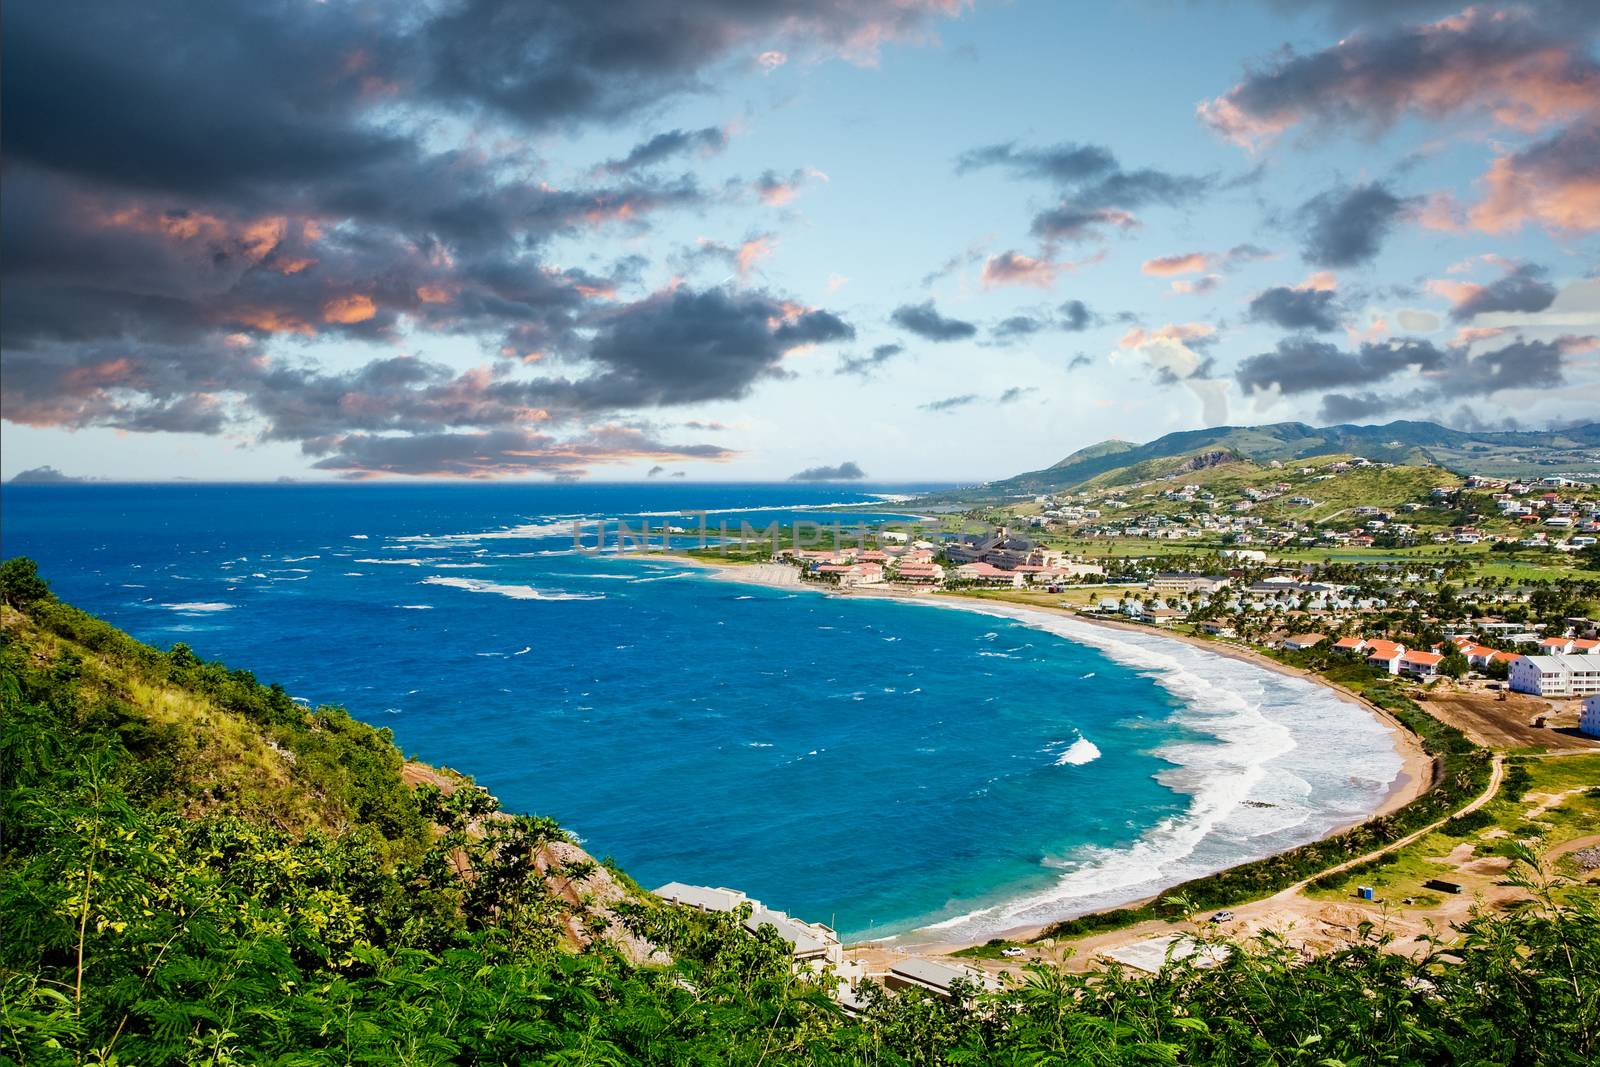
<point>1350,644</point>
<point>1420,664</point>
<point>1556,676</point>
<point>937,978</point>
<point>919,573</point>
<point>988,574</point>
<point>1589,722</point>
<point>1385,654</point>
<point>1182,582</point>
<point>1302,641</point>
<point>851,574</point>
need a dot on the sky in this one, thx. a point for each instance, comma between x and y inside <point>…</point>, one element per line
<point>896,240</point>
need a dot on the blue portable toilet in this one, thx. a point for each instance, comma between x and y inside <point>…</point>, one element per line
<point>1365,892</point>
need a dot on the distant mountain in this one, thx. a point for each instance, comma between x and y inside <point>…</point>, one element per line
<point>1506,453</point>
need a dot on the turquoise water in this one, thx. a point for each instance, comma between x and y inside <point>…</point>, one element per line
<point>883,766</point>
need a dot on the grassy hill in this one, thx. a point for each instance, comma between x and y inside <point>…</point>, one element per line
<point>196,870</point>
<point>1407,443</point>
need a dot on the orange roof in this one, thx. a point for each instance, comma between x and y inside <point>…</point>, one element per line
<point>1506,657</point>
<point>1349,642</point>
<point>1427,659</point>
<point>1381,649</point>
<point>1304,639</point>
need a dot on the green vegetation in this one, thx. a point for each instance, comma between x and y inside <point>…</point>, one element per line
<point>196,870</point>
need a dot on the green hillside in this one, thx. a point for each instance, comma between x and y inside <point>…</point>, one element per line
<point>1520,453</point>
<point>196,870</point>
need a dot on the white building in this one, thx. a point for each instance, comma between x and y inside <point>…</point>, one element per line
<point>1556,676</point>
<point>813,944</point>
<point>1589,723</point>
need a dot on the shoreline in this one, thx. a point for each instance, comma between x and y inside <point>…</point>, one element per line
<point>1414,779</point>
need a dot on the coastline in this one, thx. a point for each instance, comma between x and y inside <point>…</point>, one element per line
<point>1414,778</point>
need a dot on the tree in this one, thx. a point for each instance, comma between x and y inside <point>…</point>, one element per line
<point>20,584</point>
<point>1454,665</point>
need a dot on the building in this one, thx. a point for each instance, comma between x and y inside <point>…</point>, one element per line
<point>1302,641</point>
<point>1182,582</point>
<point>1420,664</point>
<point>1589,723</point>
<point>919,573</point>
<point>1385,654</point>
<point>814,945</point>
<point>1350,644</point>
<point>851,574</point>
<point>934,977</point>
<point>1556,676</point>
<point>988,574</point>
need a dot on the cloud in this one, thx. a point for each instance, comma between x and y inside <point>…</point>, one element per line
<point>494,453</point>
<point>1297,308</point>
<point>1014,268</point>
<point>865,366</point>
<point>1522,289</point>
<point>1015,393</point>
<point>1183,263</point>
<point>1168,352</point>
<point>1079,360</point>
<point>1076,316</point>
<point>1300,364</point>
<point>1345,226</point>
<point>202,200</point>
<point>951,403</point>
<point>926,322</point>
<point>654,471</point>
<point>1098,195</point>
<point>1554,183</point>
<point>1016,327</point>
<point>775,190</point>
<point>847,471</point>
<point>1520,69</point>
<point>1519,365</point>
<point>663,146</point>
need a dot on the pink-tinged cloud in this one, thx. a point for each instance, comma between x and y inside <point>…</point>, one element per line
<point>1507,64</point>
<point>1179,332</point>
<point>349,310</point>
<point>1466,335</point>
<point>1554,184</point>
<point>1196,286</point>
<point>1014,268</point>
<point>754,251</point>
<point>1322,281</point>
<point>1184,263</point>
<point>1458,293</point>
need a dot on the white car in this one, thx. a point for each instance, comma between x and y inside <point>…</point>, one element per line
<point>1222,917</point>
<point>1012,953</point>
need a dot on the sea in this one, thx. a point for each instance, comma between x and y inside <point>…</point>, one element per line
<point>894,769</point>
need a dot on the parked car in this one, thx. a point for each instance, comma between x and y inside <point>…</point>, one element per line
<point>1013,952</point>
<point>1222,917</point>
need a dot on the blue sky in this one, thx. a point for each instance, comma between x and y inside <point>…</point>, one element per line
<point>1342,212</point>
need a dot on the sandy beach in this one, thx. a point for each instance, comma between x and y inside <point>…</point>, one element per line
<point>1415,777</point>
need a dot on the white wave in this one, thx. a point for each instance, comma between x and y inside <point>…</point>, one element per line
<point>515,592</point>
<point>664,577</point>
<point>523,531</point>
<point>1078,753</point>
<point>407,562</point>
<point>415,607</point>
<point>298,559</point>
<point>460,566</point>
<point>196,607</point>
<point>523,651</point>
<point>358,537</point>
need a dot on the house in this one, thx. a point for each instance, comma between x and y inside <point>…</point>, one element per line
<point>1584,646</point>
<point>1302,641</point>
<point>1350,644</point>
<point>1556,676</point>
<point>1385,654</point>
<point>1555,646</point>
<point>1217,629</point>
<point>1420,664</point>
<point>1479,656</point>
<point>1589,722</point>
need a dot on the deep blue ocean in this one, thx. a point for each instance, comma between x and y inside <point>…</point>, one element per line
<point>882,766</point>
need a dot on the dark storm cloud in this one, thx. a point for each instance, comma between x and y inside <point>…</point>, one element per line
<point>930,325</point>
<point>926,322</point>
<point>846,471</point>
<point>1076,316</point>
<point>1522,289</point>
<point>951,403</point>
<point>1098,194</point>
<point>1015,393</point>
<point>194,190</point>
<point>1079,360</point>
<point>493,453</point>
<point>667,145</point>
<point>1297,309</point>
<point>864,366</point>
<point>1346,226</point>
<point>1300,364</point>
<point>1016,327</point>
